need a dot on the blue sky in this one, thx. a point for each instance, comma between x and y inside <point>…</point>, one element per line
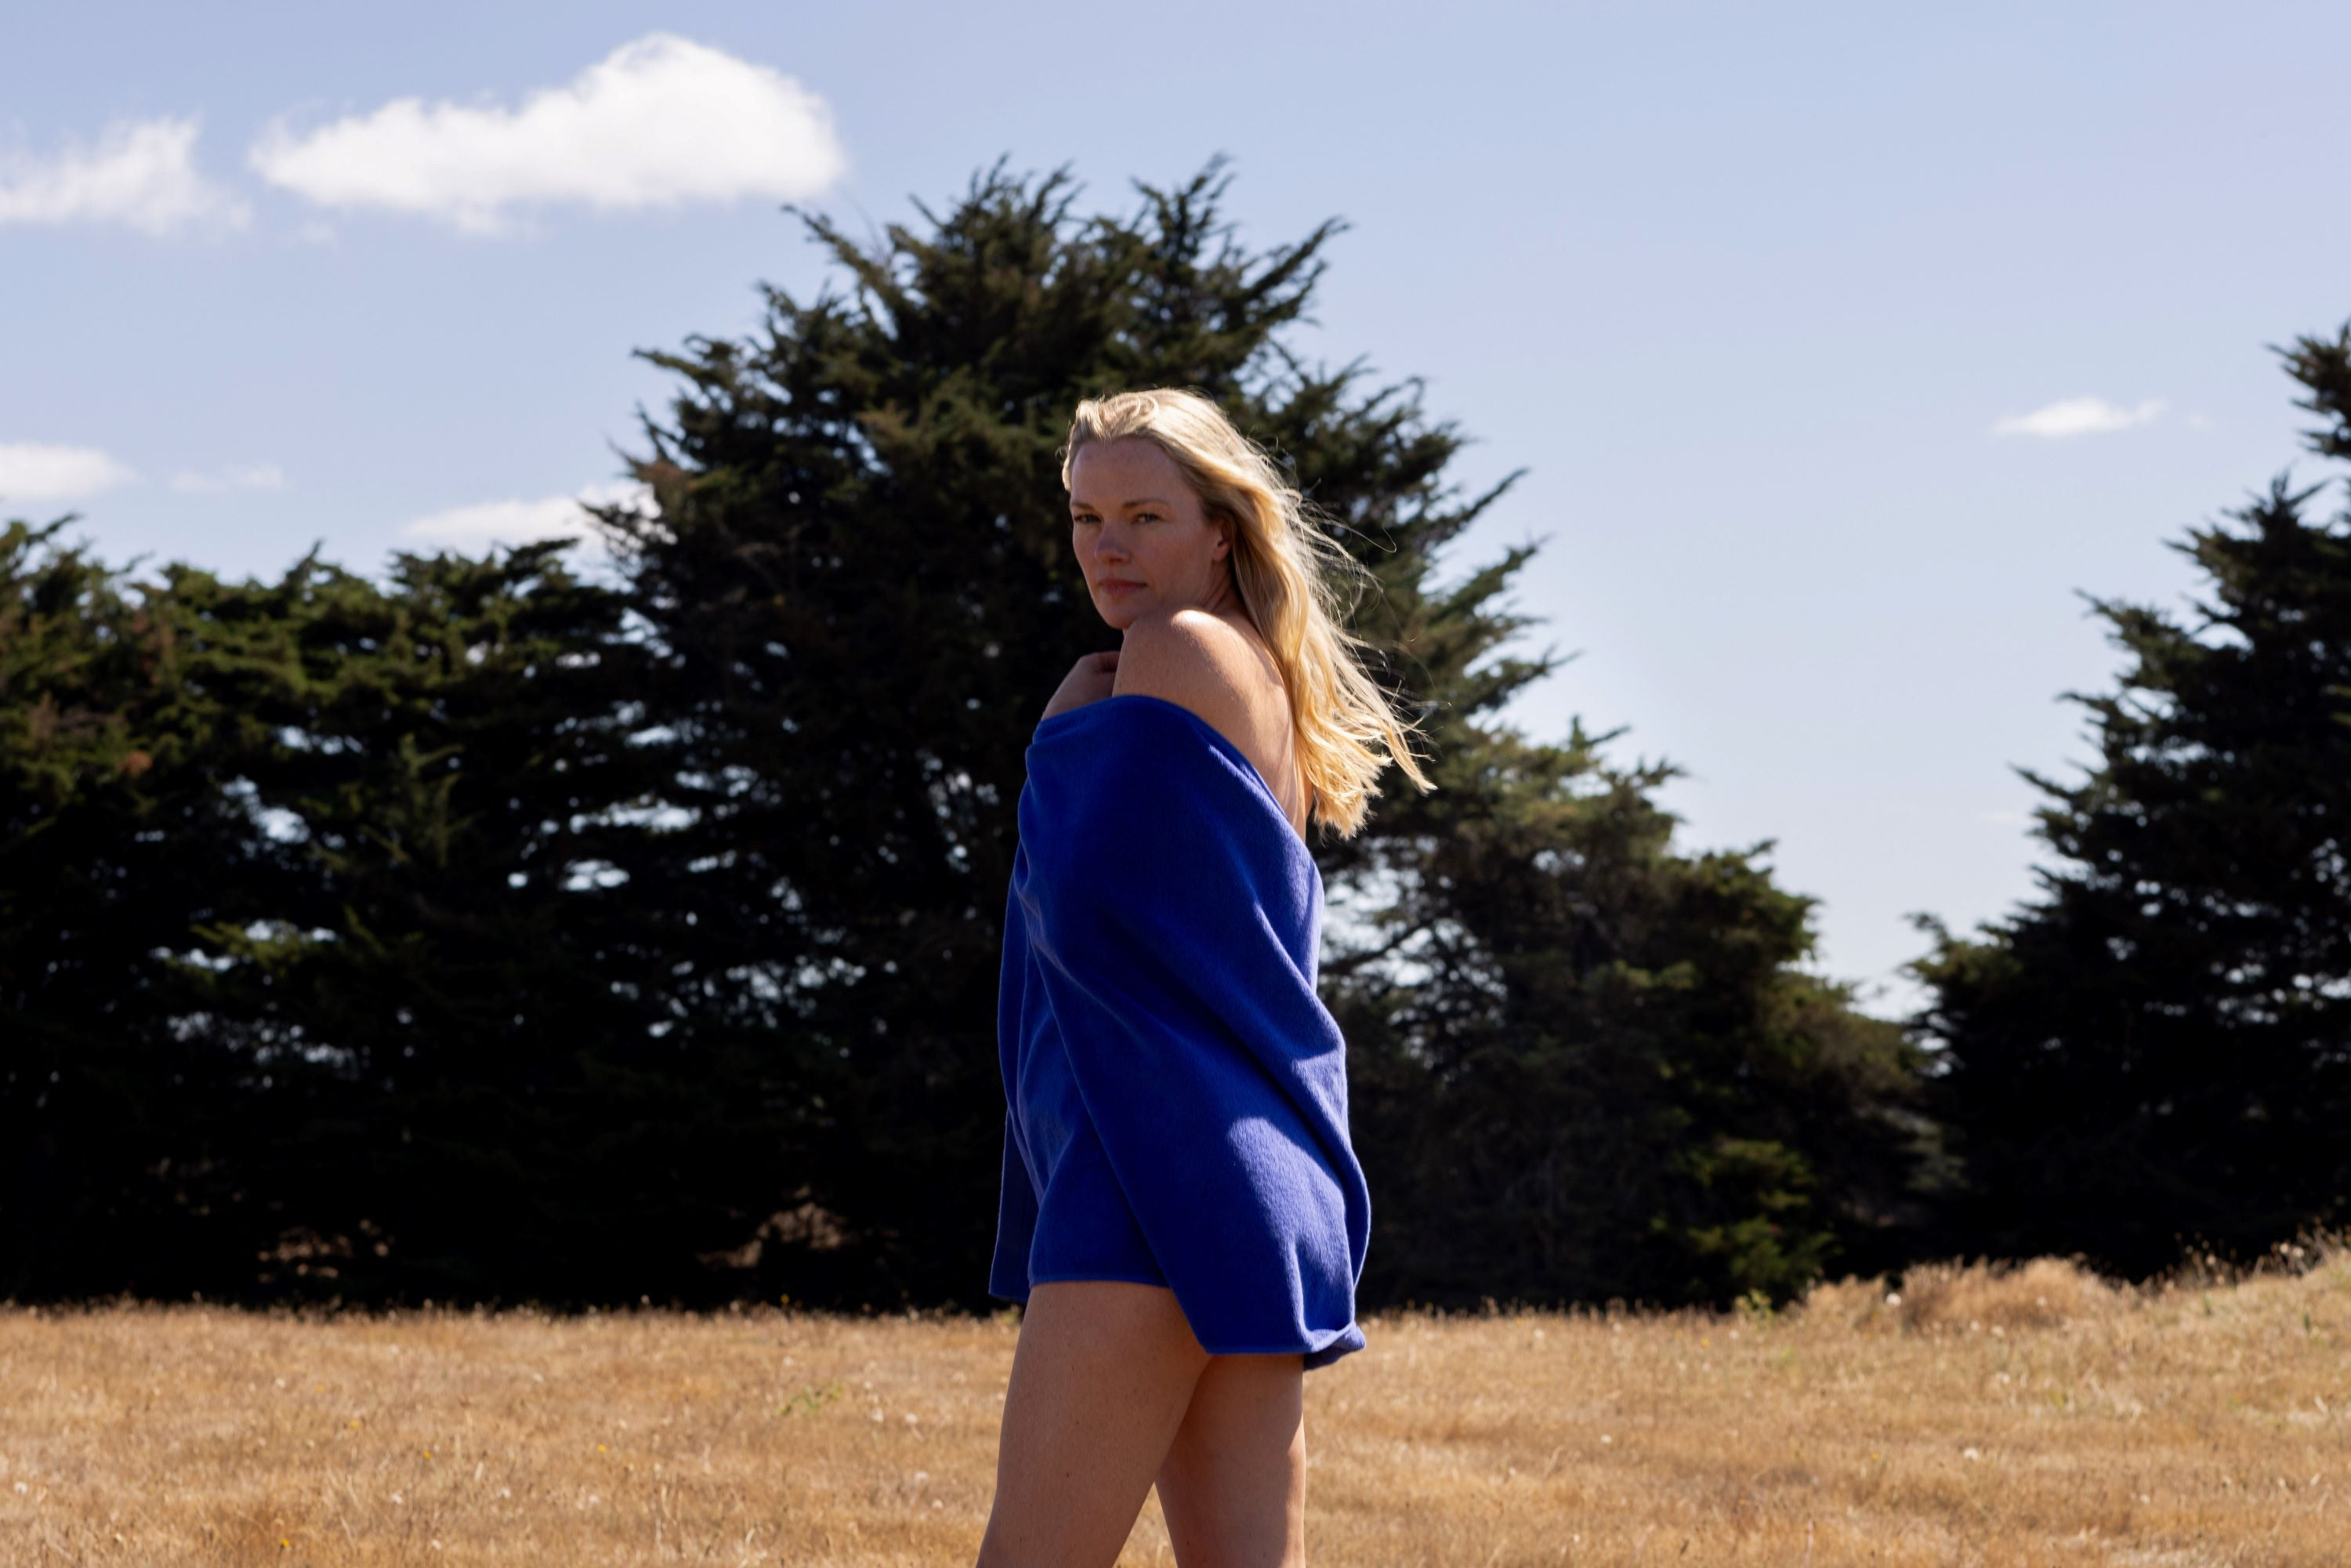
<point>1846,346</point>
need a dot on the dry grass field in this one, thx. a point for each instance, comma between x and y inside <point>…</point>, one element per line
<point>2033,1416</point>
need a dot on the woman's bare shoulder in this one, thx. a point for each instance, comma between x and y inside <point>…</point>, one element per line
<point>1194,660</point>
<point>1220,672</point>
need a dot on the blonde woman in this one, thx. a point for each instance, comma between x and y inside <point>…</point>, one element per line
<point>1181,1209</point>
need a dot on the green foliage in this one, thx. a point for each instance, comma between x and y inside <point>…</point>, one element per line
<point>2159,1049</point>
<point>323,972</point>
<point>458,998</point>
<point>487,933</point>
<point>860,575</point>
<point>1585,1066</point>
<point>114,836</point>
<point>1603,1074</point>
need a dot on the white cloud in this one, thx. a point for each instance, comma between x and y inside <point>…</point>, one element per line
<point>29,473</point>
<point>2078,416</point>
<point>658,121</point>
<point>140,173</point>
<point>485,523</point>
<point>230,477</point>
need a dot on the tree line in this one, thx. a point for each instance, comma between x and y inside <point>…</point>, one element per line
<point>490,932</point>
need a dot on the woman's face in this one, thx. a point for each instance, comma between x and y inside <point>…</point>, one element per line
<point>1140,534</point>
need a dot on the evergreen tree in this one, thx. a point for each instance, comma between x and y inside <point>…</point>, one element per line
<point>489,933</point>
<point>1606,1075</point>
<point>115,835</point>
<point>454,1010</point>
<point>2158,1053</point>
<point>323,969</point>
<point>1584,1065</point>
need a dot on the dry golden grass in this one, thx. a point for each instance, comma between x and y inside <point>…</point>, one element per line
<point>2033,1416</point>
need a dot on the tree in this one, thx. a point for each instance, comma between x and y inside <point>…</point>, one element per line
<point>860,581</point>
<point>322,973</point>
<point>1608,1076</point>
<point>451,1006</point>
<point>490,934</point>
<point>114,835</point>
<point>2158,1051</point>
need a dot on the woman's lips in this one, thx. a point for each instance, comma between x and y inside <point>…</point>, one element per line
<point>1109,585</point>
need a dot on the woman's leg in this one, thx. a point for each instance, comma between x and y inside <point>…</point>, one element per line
<point>1233,1489</point>
<point>1100,1378</point>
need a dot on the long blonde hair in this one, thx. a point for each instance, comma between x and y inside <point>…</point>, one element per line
<point>1285,565</point>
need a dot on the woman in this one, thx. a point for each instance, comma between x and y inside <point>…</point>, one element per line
<point>1181,1211</point>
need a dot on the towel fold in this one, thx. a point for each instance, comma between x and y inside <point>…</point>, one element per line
<point>1176,1093</point>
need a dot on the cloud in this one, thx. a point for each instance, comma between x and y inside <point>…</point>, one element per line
<point>230,477</point>
<point>140,173</point>
<point>29,473</point>
<point>2078,416</point>
<point>658,121</point>
<point>485,523</point>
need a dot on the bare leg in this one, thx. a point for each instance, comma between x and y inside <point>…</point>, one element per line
<point>1233,1489</point>
<point>1099,1382</point>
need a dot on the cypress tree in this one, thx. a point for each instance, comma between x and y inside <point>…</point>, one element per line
<point>490,934</point>
<point>2157,1053</point>
<point>115,835</point>
<point>1585,1066</point>
<point>453,1016</point>
<point>322,971</point>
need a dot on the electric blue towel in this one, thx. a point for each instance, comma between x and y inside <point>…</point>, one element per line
<point>1175,1093</point>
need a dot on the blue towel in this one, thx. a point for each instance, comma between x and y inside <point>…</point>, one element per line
<point>1176,1093</point>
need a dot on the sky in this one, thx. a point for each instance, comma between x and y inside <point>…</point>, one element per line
<point>1847,349</point>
